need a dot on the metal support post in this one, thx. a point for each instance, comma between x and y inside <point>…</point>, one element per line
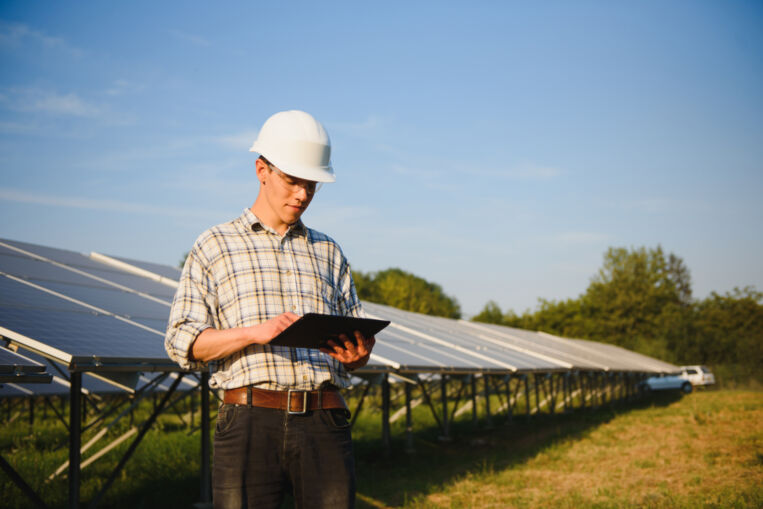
<point>408,420</point>
<point>537,394</point>
<point>489,420</point>
<point>473,382</point>
<point>206,471</point>
<point>386,439</point>
<point>509,408</point>
<point>75,437</point>
<point>552,392</point>
<point>527,395</point>
<point>566,390</point>
<point>595,390</point>
<point>444,399</point>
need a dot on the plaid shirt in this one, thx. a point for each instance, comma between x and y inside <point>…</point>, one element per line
<point>242,273</point>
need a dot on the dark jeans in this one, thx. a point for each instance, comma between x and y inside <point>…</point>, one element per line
<point>261,453</point>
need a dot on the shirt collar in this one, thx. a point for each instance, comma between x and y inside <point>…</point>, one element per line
<point>253,223</point>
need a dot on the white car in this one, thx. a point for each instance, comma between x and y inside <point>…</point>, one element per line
<point>697,375</point>
<point>668,382</point>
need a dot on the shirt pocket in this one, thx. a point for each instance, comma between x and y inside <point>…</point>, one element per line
<point>317,295</point>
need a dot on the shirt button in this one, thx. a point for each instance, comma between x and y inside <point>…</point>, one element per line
<point>304,378</point>
<point>288,273</point>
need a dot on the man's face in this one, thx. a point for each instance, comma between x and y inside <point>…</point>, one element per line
<point>286,197</point>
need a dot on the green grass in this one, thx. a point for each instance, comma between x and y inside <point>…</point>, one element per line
<point>701,450</point>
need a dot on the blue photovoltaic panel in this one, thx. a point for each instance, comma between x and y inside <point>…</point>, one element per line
<point>72,328</point>
<point>84,263</point>
<point>470,348</point>
<point>160,270</point>
<point>18,368</point>
<point>11,362</point>
<point>414,342</point>
<point>560,349</point>
<point>59,386</point>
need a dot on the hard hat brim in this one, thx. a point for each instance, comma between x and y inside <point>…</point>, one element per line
<point>315,173</point>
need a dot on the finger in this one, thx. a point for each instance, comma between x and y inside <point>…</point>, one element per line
<point>363,343</point>
<point>347,343</point>
<point>290,317</point>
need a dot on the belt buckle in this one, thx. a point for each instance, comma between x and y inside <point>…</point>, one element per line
<point>289,411</point>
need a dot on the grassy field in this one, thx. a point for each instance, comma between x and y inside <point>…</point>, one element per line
<point>702,450</point>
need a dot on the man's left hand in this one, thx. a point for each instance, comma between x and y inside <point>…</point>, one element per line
<point>352,355</point>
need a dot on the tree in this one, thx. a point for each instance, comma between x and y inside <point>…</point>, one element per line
<point>397,288</point>
<point>728,329</point>
<point>641,299</point>
<point>491,313</point>
<point>638,296</point>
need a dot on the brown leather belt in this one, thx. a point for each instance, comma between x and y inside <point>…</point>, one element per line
<point>296,402</point>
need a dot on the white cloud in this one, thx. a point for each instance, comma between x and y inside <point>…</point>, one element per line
<point>15,35</point>
<point>237,141</point>
<point>76,202</point>
<point>48,102</point>
<point>363,127</point>
<point>36,100</point>
<point>190,38</point>
<point>122,87</point>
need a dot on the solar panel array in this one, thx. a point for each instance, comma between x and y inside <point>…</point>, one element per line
<point>15,367</point>
<point>72,309</point>
<point>95,310</point>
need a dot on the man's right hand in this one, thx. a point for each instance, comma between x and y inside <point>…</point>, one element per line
<point>267,331</point>
<point>214,344</point>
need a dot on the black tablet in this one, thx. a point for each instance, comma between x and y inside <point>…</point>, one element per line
<point>313,330</point>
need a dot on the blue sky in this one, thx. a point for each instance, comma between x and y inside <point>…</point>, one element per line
<point>496,148</point>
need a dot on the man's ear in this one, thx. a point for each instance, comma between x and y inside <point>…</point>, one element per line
<point>262,170</point>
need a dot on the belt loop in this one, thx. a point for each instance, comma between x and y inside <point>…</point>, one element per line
<point>248,395</point>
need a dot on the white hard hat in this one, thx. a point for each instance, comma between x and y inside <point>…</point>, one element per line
<point>296,144</point>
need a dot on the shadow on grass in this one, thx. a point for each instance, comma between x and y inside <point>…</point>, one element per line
<point>391,479</point>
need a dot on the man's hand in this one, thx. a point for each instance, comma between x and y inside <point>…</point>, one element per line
<point>215,344</point>
<point>348,353</point>
<point>267,331</point>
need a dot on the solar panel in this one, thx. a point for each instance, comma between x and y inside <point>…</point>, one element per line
<point>561,350</point>
<point>18,368</point>
<point>167,271</point>
<point>456,339</point>
<point>110,309</point>
<point>84,265</point>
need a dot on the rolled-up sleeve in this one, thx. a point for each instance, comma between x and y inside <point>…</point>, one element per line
<point>191,311</point>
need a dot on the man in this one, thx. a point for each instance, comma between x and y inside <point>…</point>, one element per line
<point>283,425</point>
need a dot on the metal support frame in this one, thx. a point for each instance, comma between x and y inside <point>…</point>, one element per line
<point>473,384</point>
<point>19,481</point>
<point>509,405</point>
<point>386,437</point>
<point>134,445</point>
<point>527,395</point>
<point>75,437</point>
<point>408,420</point>
<point>206,472</point>
<point>488,418</point>
<point>444,401</point>
<point>359,406</point>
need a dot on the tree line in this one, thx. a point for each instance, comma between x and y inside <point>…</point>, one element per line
<point>641,299</point>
